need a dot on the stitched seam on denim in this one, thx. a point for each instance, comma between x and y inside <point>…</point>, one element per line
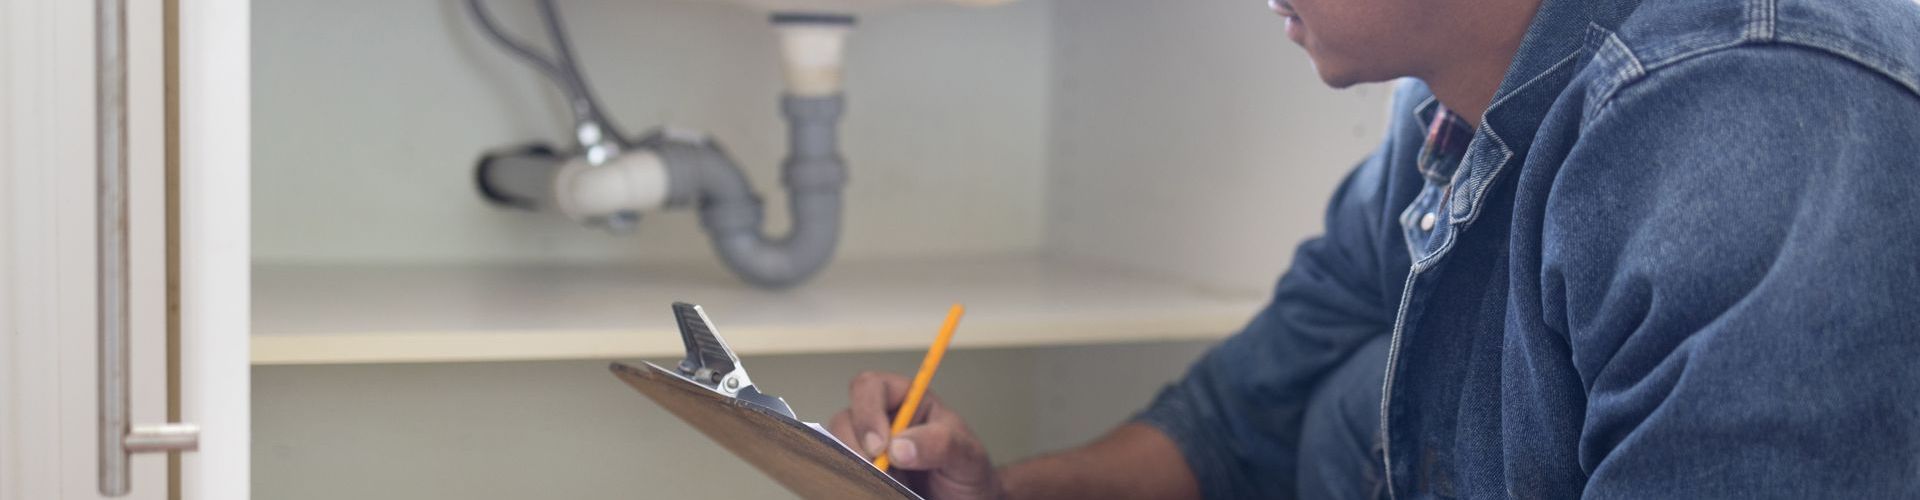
<point>1815,43</point>
<point>1446,242</point>
<point>1760,21</point>
<point>1479,183</point>
<point>1571,55</point>
<point>1406,222</point>
<point>1460,176</point>
<point>1595,34</point>
<point>1446,247</point>
<point>1603,107</point>
<point>1772,16</point>
<point>1621,52</point>
<point>1386,384</point>
<point>1634,69</point>
<point>1889,67</point>
<point>1614,49</point>
<point>1746,19</point>
<point>1606,100</point>
<point>1651,55</point>
<point>1409,233</point>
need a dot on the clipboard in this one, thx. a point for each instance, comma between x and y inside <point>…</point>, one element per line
<point>711,391</point>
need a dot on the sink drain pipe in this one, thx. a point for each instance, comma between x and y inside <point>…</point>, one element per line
<point>610,181</point>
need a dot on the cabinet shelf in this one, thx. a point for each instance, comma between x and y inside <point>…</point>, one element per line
<point>397,314</point>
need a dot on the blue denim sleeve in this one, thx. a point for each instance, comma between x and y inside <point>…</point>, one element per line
<point>1237,413</point>
<point>1737,269</point>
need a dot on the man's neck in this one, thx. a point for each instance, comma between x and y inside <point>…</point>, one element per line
<point>1465,79</point>
<point>1467,93</point>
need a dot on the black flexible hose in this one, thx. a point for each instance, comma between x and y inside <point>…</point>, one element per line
<point>564,73</point>
<point>558,32</point>
<point>549,68</point>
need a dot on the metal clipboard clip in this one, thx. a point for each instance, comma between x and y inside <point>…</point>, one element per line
<point>711,364</point>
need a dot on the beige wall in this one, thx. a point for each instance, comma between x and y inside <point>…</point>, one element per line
<point>1191,138</point>
<point>369,114</point>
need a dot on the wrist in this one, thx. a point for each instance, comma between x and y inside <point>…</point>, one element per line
<point>1021,481</point>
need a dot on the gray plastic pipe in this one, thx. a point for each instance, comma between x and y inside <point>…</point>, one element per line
<point>699,172</point>
<point>613,185</point>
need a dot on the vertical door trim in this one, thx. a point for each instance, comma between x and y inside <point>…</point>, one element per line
<point>170,124</point>
<point>215,79</point>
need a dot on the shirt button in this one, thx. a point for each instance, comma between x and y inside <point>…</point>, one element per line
<point>1426,221</point>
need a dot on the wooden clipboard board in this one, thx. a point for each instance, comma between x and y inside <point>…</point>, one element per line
<point>806,461</point>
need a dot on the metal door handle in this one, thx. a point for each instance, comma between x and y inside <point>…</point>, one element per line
<point>118,438</point>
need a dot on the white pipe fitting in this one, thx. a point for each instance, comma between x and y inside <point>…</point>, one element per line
<point>635,181</point>
<point>813,54</point>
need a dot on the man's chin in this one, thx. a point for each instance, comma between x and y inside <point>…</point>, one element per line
<point>1340,77</point>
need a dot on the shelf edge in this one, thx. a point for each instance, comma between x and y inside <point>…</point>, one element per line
<point>550,345</point>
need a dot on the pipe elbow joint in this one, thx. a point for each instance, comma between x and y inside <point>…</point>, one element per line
<point>733,215</point>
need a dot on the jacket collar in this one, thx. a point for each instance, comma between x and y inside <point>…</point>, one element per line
<point>1552,44</point>
<point>1549,55</point>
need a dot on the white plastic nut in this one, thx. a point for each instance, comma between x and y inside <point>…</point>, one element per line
<point>635,181</point>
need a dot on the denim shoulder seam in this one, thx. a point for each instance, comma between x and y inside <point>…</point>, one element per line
<point>1653,71</point>
<point>1889,67</point>
<point>1821,37</point>
<point>1620,66</point>
<point>1643,69</point>
<point>1761,28</point>
<point>1760,22</point>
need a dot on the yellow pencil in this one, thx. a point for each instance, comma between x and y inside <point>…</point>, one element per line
<point>923,379</point>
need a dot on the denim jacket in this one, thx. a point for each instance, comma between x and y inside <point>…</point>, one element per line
<point>1680,259</point>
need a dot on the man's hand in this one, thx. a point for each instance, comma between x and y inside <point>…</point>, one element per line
<point>937,456</point>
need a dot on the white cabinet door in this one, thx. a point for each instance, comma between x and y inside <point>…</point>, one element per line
<point>51,361</point>
<point>215,243</point>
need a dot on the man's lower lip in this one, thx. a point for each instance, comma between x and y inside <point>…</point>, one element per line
<point>1293,30</point>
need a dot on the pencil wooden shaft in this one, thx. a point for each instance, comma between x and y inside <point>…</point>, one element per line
<point>904,417</point>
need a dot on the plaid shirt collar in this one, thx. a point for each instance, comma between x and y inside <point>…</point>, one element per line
<point>1447,138</point>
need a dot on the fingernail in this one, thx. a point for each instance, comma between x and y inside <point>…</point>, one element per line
<point>874,443</point>
<point>902,452</point>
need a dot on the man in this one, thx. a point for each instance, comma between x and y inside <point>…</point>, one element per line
<point>1610,248</point>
